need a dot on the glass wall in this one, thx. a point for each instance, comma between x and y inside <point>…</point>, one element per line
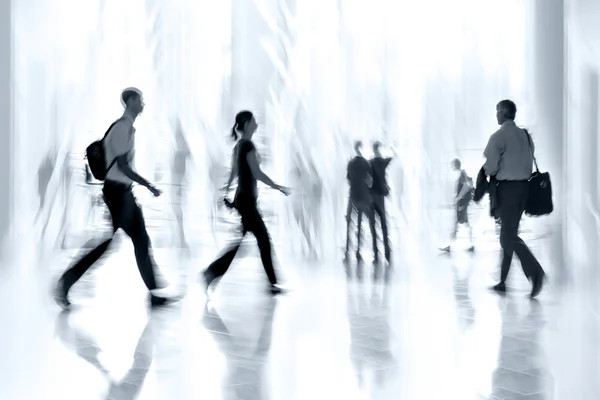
<point>421,76</point>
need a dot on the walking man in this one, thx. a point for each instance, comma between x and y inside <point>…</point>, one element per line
<point>509,158</point>
<point>124,210</point>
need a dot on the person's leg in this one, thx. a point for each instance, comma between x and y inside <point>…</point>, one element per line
<point>348,223</point>
<point>221,265</point>
<point>132,222</point>
<point>454,231</point>
<point>359,232</point>
<point>112,198</point>
<point>531,266</point>
<point>470,228</point>
<point>254,223</point>
<point>372,214</point>
<point>510,216</point>
<point>77,270</point>
<point>384,229</point>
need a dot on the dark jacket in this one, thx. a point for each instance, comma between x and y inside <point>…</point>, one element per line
<point>483,186</point>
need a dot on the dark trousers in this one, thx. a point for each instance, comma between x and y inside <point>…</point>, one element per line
<point>361,206</point>
<point>252,221</point>
<point>127,215</point>
<point>512,196</point>
<point>379,211</point>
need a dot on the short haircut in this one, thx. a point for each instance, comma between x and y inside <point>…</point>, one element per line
<point>509,107</point>
<point>358,145</point>
<point>376,145</point>
<point>128,94</point>
<point>456,162</point>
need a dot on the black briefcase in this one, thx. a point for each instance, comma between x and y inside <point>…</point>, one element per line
<point>539,201</point>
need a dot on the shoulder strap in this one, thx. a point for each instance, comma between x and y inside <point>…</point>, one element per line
<point>110,127</point>
<point>531,151</point>
<point>105,135</point>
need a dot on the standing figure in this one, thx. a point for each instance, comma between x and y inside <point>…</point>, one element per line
<point>125,212</point>
<point>509,157</point>
<point>245,165</point>
<point>360,179</point>
<point>379,191</point>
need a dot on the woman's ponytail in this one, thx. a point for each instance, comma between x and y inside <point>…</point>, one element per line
<point>234,133</point>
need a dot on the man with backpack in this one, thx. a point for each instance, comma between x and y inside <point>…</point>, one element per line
<point>464,195</point>
<point>111,160</point>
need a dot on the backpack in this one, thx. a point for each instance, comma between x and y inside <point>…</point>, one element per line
<point>471,187</point>
<point>96,156</point>
<point>471,193</point>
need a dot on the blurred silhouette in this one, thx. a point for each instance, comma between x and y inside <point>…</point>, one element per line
<point>179,180</point>
<point>464,195</point>
<point>86,347</point>
<point>360,179</point>
<point>45,172</point>
<point>246,167</point>
<point>379,191</point>
<point>243,368</point>
<point>307,203</point>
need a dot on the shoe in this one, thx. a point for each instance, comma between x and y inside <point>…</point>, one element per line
<point>499,288</point>
<point>158,301</point>
<point>61,297</point>
<point>207,278</point>
<point>471,249</point>
<point>445,249</point>
<point>275,290</point>
<point>537,285</point>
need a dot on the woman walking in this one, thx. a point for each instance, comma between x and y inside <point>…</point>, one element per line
<point>246,167</point>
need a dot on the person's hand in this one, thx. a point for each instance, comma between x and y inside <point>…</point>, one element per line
<point>285,190</point>
<point>227,203</point>
<point>154,191</point>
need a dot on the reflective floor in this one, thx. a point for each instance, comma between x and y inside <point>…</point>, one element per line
<point>425,329</point>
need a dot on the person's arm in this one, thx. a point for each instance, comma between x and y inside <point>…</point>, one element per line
<point>369,177</point>
<point>493,153</point>
<point>348,172</point>
<point>259,175</point>
<point>464,189</point>
<point>121,145</point>
<point>234,170</point>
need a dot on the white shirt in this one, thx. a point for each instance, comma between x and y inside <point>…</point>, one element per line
<point>119,141</point>
<point>509,154</point>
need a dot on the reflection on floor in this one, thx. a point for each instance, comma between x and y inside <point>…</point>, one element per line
<point>422,330</point>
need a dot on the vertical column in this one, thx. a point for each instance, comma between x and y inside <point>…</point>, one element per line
<point>250,67</point>
<point>548,89</point>
<point>6,105</point>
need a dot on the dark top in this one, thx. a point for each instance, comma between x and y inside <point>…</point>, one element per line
<point>380,186</point>
<point>247,187</point>
<point>358,170</point>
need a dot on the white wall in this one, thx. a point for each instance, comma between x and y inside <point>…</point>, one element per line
<point>582,145</point>
<point>5,126</point>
